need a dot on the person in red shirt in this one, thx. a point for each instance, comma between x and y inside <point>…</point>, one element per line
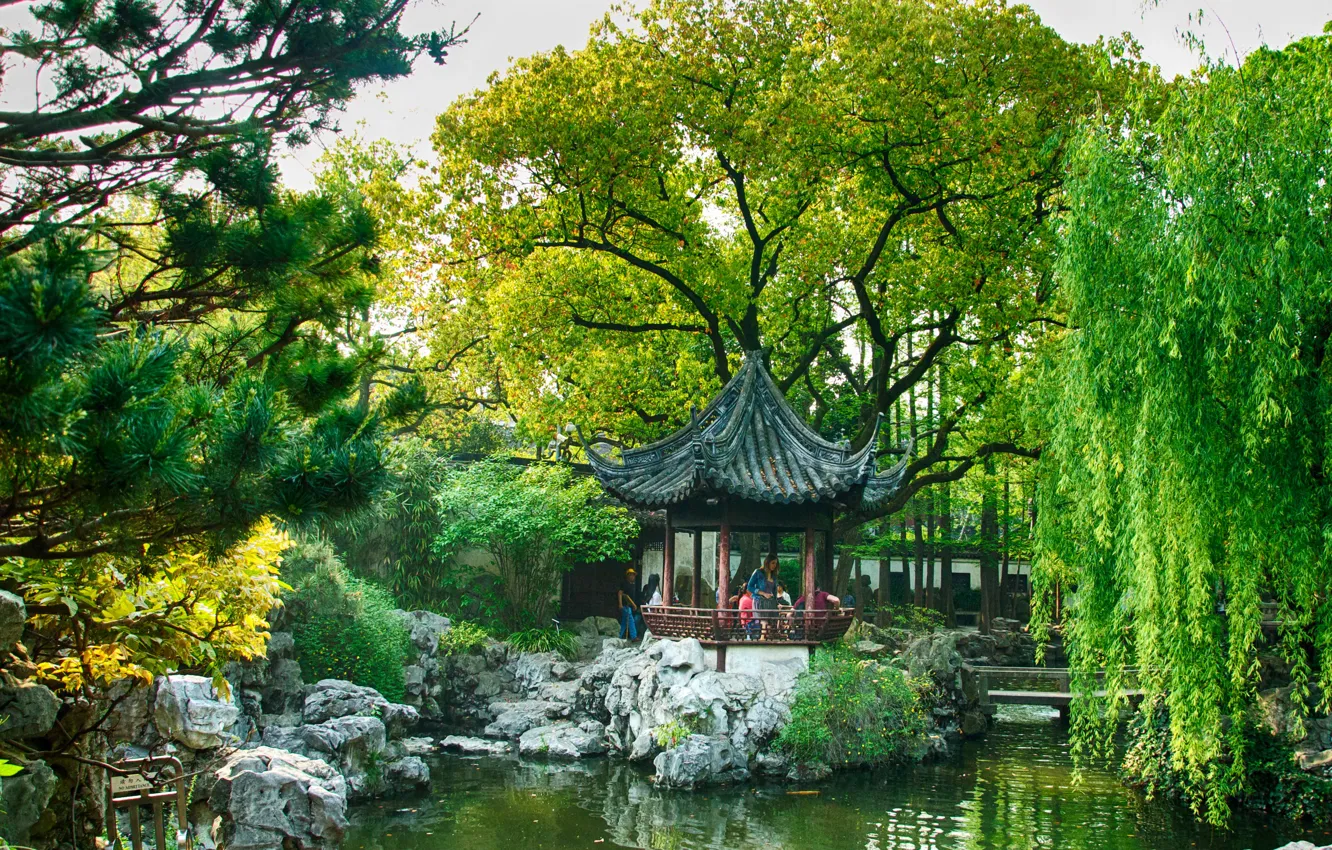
<point>747,619</point>
<point>822,602</point>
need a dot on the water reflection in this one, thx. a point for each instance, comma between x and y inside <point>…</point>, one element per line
<point>1013,791</point>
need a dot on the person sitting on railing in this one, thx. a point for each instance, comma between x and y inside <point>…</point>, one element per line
<point>821,601</point>
<point>650,595</point>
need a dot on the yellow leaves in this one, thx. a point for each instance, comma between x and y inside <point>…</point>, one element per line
<point>181,610</point>
<point>98,666</point>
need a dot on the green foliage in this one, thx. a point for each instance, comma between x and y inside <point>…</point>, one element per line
<point>86,141</point>
<point>913,619</point>
<point>344,626</point>
<point>863,189</point>
<point>544,640</point>
<point>1186,480</point>
<point>671,733</point>
<point>536,523</point>
<point>1273,782</point>
<point>462,637</point>
<point>853,712</point>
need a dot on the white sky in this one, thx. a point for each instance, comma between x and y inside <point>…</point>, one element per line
<point>404,111</point>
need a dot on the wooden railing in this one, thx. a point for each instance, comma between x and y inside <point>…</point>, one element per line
<point>730,625</point>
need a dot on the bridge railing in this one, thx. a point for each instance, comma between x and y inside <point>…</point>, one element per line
<point>1060,680</point>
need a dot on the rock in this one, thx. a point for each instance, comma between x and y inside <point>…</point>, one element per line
<point>26,710</point>
<point>284,691</point>
<point>399,719</point>
<point>678,661</point>
<point>564,741</point>
<point>24,798</point>
<point>869,649</point>
<point>699,761</point>
<point>332,698</point>
<point>267,799</point>
<point>815,771</point>
<point>1278,709</point>
<point>1314,760</point>
<point>563,671</point>
<point>533,669</point>
<point>425,628</point>
<point>1303,845</point>
<point>189,711</point>
<point>513,719</point>
<point>281,645</point>
<point>418,746</point>
<point>935,655</point>
<point>771,763</point>
<point>475,746</point>
<point>13,617</point>
<point>132,719</point>
<point>974,722</point>
<point>405,775</point>
<point>354,745</point>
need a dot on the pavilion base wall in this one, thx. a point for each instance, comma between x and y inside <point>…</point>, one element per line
<point>742,658</point>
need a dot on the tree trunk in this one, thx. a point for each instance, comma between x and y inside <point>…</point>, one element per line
<point>1005,601</point>
<point>989,556</point>
<point>845,561</point>
<point>946,558</point>
<point>919,596</point>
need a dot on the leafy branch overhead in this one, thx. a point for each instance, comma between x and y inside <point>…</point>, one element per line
<point>863,190</point>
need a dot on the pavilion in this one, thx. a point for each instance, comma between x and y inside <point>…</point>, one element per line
<point>747,462</point>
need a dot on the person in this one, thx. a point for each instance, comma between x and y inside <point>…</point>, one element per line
<point>818,601</point>
<point>651,591</point>
<point>628,607</point>
<point>783,598</point>
<point>762,587</point>
<point>747,620</point>
<point>783,612</point>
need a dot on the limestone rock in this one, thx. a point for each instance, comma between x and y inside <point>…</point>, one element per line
<point>399,719</point>
<point>869,649</point>
<point>283,690</point>
<point>24,798</point>
<point>13,616</point>
<point>533,669</point>
<point>475,746</point>
<point>678,661</point>
<point>425,628</point>
<point>418,746</point>
<point>1303,845</point>
<point>1311,760</point>
<point>26,710</point>
<point>332,698</point>
<point>405,775</point>
<point>564,741</point>
<point>132,720</point>
<point>189,711</point>
<point>699,761</point>
<point>513,719</point>
<point>267,799</point>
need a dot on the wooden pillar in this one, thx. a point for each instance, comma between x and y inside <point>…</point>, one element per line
<point>696,599</point>
<point>668,563</point>
<point>829,562</point>
<point>773,536</point>
<point>810,566</point>
<point>724,560</point>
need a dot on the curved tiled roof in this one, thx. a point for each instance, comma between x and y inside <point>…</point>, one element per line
<point>749,443</point>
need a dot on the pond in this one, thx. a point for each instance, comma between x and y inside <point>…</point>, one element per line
<point>1012,789</point>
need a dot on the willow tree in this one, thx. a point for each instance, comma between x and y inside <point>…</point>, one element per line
<point>862,188</point>
<point>1191,406</point>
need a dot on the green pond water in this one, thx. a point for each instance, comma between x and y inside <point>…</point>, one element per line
<point>1012,789</point>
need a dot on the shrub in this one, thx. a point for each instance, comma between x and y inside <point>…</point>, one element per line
<point>344,627</point>
<point>670,734</point>
<point>463,636</point>
<point>913,618</point>
<point>848,712</point>
<point>544,640</point>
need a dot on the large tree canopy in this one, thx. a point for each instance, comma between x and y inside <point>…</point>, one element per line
<point>863,189</point>
<point>1188,471</point>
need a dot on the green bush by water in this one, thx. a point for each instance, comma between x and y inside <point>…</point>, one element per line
<point>343,626</point>
<point>850,711</point>
<point>544,640</point>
